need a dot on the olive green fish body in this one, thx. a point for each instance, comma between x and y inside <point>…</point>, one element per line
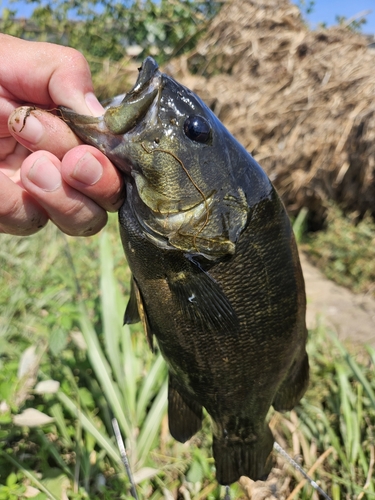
<point>216,275</point>
<point>239,372</point>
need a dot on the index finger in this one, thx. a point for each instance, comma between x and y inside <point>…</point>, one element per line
<point>46,74</point>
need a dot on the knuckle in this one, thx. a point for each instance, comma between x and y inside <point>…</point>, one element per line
<point>14,220</point>
<point>75,206</point>
<point>82,217</point>
<point>95,226</point>
<point>75,58</point>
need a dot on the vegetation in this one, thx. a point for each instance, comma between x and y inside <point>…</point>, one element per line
<point>105,31</point>
<point>345,251</point>
<point>65,356</point>
<point>67,365</point>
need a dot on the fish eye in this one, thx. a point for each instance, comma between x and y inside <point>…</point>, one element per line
<point>197,128</point>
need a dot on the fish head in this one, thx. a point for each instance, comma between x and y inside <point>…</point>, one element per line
<point>179,160</point>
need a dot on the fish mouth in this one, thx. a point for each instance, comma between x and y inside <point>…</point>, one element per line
<point>120,119</point>
<point>106,132</point>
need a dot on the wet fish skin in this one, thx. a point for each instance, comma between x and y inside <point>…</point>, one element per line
<point>216,273</point>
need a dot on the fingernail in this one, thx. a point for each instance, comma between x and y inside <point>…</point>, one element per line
<point>26,125</point>
<point>44,174</point>
<point>93,104</point>
<point>88,170</point>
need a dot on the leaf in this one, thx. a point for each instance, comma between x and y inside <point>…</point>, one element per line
<point>144,473</point>
<point>86,422</point>
<point>30,475</point>
<point>31,492</point>
<point>11,479</point>
<point>86,398</point>
<point>151,425</point>
<point>57,484</point>
<point>156,374</point>
<point>4,407</point>
<point>168,495</point>
<point>32,418</point>
<point>195,473</point>
<point>47,387</point>
<point>357,370</point>
<point>112,320</point>
<point>79,340</point>
<point>103,370</point>
<point>28,362</point>
<point>57,341</point>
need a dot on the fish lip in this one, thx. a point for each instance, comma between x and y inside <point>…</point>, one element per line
<point>72,117</point>
<point>124,116</point>
<point>86,127</point>
<point>133,109</point>
<point>146,73</point>
<point>136,103</point>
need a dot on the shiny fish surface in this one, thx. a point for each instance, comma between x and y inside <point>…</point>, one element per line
<point>216,277</point>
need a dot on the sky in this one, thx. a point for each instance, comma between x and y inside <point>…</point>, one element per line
<point>327,10</point>
<point>323,11</point>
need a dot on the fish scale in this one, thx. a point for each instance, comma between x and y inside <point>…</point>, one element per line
<point>216,278</point>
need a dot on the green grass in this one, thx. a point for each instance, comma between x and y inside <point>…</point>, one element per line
<point>345,250</point>
<point>61,305</point>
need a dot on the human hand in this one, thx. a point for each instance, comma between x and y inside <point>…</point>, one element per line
<point>45,173</point>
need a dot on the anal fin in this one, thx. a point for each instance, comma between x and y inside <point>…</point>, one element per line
<point>184,414</point>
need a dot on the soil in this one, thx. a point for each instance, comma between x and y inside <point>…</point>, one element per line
<point>351,316</point>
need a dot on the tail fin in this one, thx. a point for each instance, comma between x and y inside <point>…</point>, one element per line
<point>236,458</point>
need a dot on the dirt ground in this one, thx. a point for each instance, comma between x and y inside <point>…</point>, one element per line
<point>351,316</point>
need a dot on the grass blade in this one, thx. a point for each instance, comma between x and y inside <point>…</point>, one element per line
<point>157,373</point>
<point>90,427</point>
<point>29,475</point>
<point>103,372</point>
<point>112,323</point>
<point>355,368</point>
<point>151,425</point>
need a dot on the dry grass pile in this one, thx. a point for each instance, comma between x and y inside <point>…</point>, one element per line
<point>303,102</point>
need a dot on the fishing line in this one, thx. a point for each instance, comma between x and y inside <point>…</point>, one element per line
<point>227,493</point>
<point>282,452</point>
<point>124,457</point>
<point>190,179</point>
<point>116,429</point>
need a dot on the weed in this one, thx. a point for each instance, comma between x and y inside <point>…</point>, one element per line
<point>66,356</point>
<point>345,250</point>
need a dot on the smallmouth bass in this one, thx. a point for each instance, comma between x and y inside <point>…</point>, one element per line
<point>216,276</point>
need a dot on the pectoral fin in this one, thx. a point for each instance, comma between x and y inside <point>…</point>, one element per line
<point>132,313</point>
<point>135,312</point>
<point>202,300</point>
<point>184,414</point>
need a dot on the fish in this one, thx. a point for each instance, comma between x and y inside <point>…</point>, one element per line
<point>216,276</point>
